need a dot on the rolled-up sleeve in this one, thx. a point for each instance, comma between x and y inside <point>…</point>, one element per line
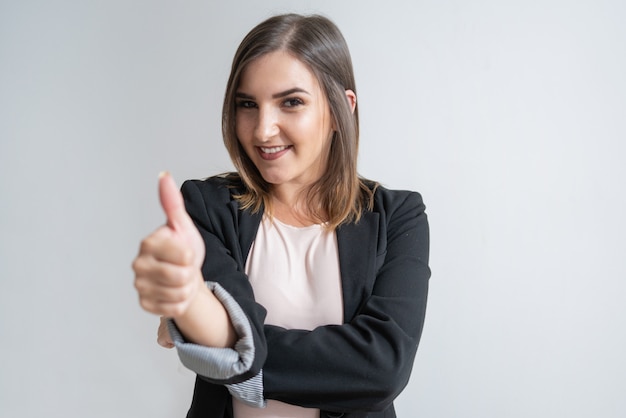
<point>218,363</point>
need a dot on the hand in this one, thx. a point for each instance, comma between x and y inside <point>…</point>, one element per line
<point>163,335</point>
<point>167,269</point>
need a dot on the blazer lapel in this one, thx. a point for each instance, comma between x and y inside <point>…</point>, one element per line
<point>248,225</point>
<point>357,258</point>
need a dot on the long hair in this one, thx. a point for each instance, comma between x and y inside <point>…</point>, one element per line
<point>339,196</point>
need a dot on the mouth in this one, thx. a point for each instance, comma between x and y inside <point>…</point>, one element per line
<point>273,150</point>
<point>272,153</point>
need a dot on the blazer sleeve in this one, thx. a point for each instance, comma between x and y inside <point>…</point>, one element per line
<point>365,363</point>
<point>210,206</point>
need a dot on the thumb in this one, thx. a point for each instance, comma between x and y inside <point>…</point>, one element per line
<point>172,202</point>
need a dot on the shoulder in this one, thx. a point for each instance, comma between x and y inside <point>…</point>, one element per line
<point>213,191</point>
<point>211,197</point>
<point>223,184</point>
<point>403,223</point>
<point>389,201</point>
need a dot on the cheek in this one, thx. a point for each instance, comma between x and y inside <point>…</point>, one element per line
<point>241,128</point>
<point>312,127</point>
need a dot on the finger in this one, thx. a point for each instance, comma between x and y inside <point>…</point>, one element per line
<point>164,246</point>
<point>170,310</point>
<point>163,335</point>
<point>173,203</point>
<point>157,273</point>
<point>165,343</point>
<point>154,294</point>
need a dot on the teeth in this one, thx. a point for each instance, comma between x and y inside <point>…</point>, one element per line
<point>274,150</point>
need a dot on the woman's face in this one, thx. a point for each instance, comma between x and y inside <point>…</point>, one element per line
<point>283,120</point>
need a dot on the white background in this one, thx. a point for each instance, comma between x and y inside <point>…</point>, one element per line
<point>508,116</point>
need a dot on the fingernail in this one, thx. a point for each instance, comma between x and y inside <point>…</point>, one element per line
<point>163,173</point>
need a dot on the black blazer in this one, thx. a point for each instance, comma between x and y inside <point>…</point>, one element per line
<point>352,370</point>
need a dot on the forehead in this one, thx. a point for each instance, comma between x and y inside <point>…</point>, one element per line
<point>275,71</point>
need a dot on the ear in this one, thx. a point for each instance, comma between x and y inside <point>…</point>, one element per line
<point>351,99</point>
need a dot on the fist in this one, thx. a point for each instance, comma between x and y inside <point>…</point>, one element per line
<point>167,268</point>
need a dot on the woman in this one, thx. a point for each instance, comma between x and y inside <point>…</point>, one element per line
<point>310,300</point>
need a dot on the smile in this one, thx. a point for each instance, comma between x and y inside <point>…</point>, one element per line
<point>272,153</point>
<point>274,150</point>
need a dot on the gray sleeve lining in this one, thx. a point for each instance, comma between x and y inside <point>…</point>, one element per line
<point>218,363</point>
<point>250,391</point>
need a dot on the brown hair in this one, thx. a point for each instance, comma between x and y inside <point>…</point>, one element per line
<point>339,195</point>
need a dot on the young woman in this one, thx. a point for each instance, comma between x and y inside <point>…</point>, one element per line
<point>293,287</point>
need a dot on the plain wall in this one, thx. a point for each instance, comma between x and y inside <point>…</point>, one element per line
<point>508,116</point>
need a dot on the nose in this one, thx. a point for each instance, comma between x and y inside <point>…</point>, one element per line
<point>267,124</point>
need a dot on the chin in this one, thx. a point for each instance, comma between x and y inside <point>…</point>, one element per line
<point>274,179</point>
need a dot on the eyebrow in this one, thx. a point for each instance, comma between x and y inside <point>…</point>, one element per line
<point>242,95</point>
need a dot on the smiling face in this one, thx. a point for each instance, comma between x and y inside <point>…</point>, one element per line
<point>283,120</point>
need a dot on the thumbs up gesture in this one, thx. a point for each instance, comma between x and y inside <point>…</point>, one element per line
<point>167,269</point>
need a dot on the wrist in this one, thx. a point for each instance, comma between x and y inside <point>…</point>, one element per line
<point>205,321</point>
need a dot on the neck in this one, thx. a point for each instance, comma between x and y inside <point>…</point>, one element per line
<point>290,206</point>
<point>288,194</point>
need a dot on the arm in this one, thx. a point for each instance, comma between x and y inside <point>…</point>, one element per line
<point>365,363</point>
<point>168,277</point>
<point>209,206</point>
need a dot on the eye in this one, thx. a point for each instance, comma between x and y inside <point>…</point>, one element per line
<point>293,102</point>
<point>245,104</point>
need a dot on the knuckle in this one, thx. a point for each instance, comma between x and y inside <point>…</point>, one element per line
<point>169,273</point>
<point>151,242</point>
<point>146,245</point>
<point>146,304</point>
<point>139,265</point>
<point>139,284</point>
<point>179,276</point>
<point>187,256</point>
